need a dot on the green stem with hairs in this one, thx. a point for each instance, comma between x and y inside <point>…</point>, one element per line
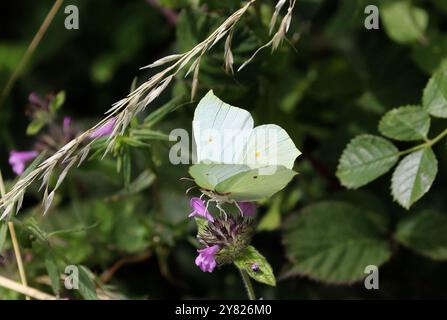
<point>247,284</point>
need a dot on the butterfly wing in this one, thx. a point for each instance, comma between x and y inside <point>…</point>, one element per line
<point>251,185</point>
<point>220,130</point>
<point>208,176</point>
<point>270,145</point>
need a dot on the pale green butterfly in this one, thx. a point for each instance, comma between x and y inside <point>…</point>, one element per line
<point>235,161</point>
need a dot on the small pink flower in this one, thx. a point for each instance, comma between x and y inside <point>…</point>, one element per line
<point>67,124</point>
<point>104,130</point>
<point>170,15</point>
<point>248,208</point>
<point>37,101</point>
<point>199,209</point>
<point>205,260</point>
<point>66,127</point>
<point>18,160</point>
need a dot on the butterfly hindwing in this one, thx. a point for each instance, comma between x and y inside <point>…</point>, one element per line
<point>256,184</point>
<point>270,145</point>
<point>208,176</point>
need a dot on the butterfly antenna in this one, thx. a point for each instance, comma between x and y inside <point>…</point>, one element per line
<point>189,189</point>
<point>186,179</point>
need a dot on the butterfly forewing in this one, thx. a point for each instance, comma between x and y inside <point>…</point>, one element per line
<point>220,130</point>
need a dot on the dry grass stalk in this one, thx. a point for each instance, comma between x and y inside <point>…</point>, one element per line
<point>77,150</point>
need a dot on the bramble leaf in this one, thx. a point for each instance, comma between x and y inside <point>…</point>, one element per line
<point>414,176</point>
<point>434,100</point>
<point>366,158</point>
<point>335,241</point>
<point>407,123</point>
<point>426,233</point>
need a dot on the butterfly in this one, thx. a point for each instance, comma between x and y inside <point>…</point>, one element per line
<point>235,161</point>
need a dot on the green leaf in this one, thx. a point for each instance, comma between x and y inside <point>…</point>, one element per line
<point>403,22</point>
<point>426,233</point>
<point>143,181</point>
<point>87,287</point>
<point>431,56</point>
<point>434,99</point>
<point>57,102</point>
<point>272,219</point>
<point>249,256</point>
<point>334,241</point>
<point>407,123</point>
<point>366,158</point>
<point>53,273</point>
<point>148,134</point>
<point>414,176</point>
<point>157,115</point>
<point>3,232</point>
<point>35,126</point>
<point>201,224</point>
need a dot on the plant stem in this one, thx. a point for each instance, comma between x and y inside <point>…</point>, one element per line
<point>15,286</point>
<point>426,144</point>
<point>248,285</point>
<point>30,50</point>
<point>18,255</point>
<point>15,243</point>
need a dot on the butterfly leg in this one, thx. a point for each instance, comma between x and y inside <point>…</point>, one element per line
<point>237,205</point>
<point>221,210</point>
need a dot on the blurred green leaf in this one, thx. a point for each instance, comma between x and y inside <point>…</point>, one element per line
<point>424,232</point>
<point>155,116</point>
<point>57,102</point>
<point>87,287</point>
<point>366,158</point>
<point>3,233</point>
<point>251,256</point>
<point>333,242</point>
<point>434,100</point>
<point>143,181</point>
<point>430,56</point>
<point>405,123</point>
<point>10,55</point>
<point>272,219</point>
<point>53,273</point>
<point>404,22</point>
<point>35,126</point>
<point>414,176</point>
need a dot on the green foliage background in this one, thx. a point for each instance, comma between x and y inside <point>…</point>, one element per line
<point>356,102</point>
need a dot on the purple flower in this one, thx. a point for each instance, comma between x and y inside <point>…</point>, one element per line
<point>67,124</point>
<point>104,130</point>
<point>199,209</point>
<point>37,101</point>
<point>255,267</point>
<point>170,15</point>
<point>248,208</point>
<point>205,260</point>
<point>18,160</point>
